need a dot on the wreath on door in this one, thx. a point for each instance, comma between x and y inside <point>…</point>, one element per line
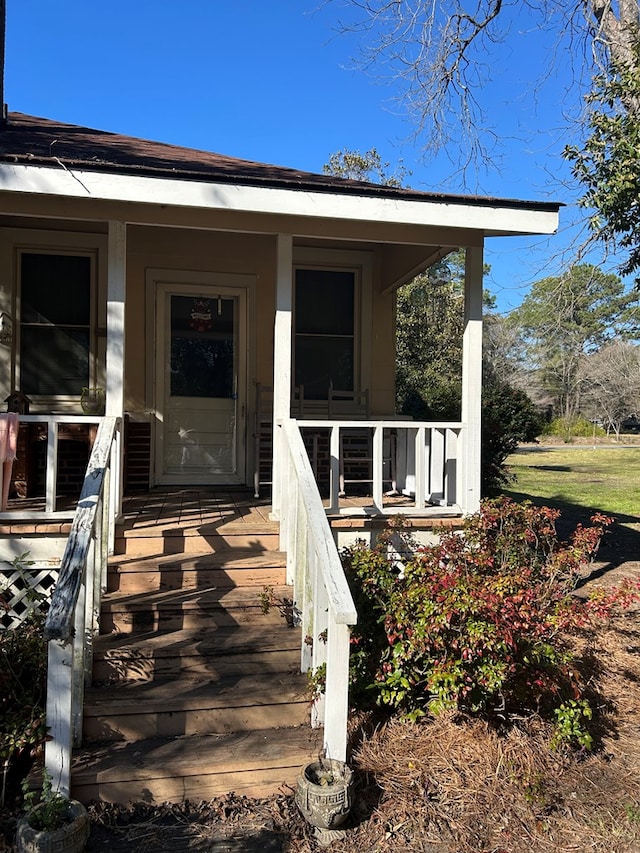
<point>201,319</point>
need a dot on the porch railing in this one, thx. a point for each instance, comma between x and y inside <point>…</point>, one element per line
<point>72,620</point>
<point>323,605</point>
<point>418,460</point>
<point>54,424</point>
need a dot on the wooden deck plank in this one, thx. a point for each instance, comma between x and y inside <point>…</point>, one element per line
<point>211,642</point>
<point>191,695</point>
<point>230,599</point>
<point>231,558</point>
<point>154,668</point>
<point>179,756</point>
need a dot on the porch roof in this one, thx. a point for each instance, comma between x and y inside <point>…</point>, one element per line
<point>56,150</point>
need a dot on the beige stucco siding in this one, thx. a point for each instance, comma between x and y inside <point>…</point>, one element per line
<point>180,250</point>
<point>176,250</point>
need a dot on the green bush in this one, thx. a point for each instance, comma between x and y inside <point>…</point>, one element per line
<point>508,418</point>
<point>23,676</point>
<point>478,622</point>
<point>568,428</point>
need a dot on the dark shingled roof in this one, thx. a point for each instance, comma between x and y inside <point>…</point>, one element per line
<point>29,140</point>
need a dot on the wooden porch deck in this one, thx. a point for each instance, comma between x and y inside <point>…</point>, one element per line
<point>190,512</point>
<point>193,508</point>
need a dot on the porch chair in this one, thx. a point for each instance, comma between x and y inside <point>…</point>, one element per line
<point>263,432</point>
<point>356,445</point>
<point>262,438</point>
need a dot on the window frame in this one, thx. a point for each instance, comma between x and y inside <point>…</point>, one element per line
<point>95,378</point>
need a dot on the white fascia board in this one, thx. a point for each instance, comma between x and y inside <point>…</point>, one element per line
<point>490,218</point>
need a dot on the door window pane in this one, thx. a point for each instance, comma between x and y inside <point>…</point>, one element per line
<point>55,306</point>
<point>324,331</point>
<point>202,347</point>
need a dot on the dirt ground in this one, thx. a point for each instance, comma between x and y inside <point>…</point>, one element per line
<point>449,786</point>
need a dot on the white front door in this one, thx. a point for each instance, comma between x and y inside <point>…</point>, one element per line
<point>201,386</point>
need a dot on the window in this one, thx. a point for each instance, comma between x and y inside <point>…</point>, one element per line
<point>55,323</point>
<point>325,303</point>
<point>202,347</point>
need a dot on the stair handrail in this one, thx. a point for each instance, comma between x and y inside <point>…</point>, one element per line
<point>72,619</point>
<point>323,604</point>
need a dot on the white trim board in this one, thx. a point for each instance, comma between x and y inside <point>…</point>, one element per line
<point>491,218</point>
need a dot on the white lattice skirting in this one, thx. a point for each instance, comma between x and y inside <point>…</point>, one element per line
<point>24,589</point>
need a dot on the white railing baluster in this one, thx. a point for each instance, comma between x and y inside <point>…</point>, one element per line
<point>319,645</point>
<point>421,467</point>
<point>78,677</point>
<point>437,487</point>
<point>378,434</point>
<point>112,486</point>
<point>307,612</point>
<point>92,615</point>
<point>451,466</point>
<point>51,476</point>
<point>337,686</point>
<point>283,491</point>
<point>58,748</point>
<point>292,521</point>
<point>334,472</point>
<point>106,527</point>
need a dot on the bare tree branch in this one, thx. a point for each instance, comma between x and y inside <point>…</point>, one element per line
<point>441,55</point>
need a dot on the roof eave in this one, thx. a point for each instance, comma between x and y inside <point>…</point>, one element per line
<point>492,217</point>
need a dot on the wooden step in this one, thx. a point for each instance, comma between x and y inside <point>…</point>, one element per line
<point>163,539</point>
<point>235,567</point>
<point>196,691</point>
<point>170,610</point>
<point>124,668</point>
<point>142,710</point>
<point>254,764</point>
<point>216,652</point>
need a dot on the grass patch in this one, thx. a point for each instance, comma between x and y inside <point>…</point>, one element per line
<point>607,478</point>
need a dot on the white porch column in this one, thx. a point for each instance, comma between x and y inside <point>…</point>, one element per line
<point>469,460</point>
<point>281,360</point>
<point>116,291</point>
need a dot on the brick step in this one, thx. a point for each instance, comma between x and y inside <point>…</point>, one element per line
<point>141,710</point>
<point>160,539</point>
<point>171,610</point>
<point>236,567</point>
<point>214,652</point>
<point>253,764</point>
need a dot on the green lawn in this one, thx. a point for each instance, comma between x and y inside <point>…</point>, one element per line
<point>607,478</point>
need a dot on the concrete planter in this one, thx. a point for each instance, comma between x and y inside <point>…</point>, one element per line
<point>324,793</point>
<point>70,838</point>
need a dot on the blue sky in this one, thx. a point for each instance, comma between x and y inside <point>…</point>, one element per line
<point>274,82</point>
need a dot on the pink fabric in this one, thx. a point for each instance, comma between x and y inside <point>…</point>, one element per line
<point>12,436</point>
<point>9,424</point>
<point>6,483</point>
<point>4,436</point>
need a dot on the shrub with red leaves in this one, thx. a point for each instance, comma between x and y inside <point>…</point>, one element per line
<point>479,621</point>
